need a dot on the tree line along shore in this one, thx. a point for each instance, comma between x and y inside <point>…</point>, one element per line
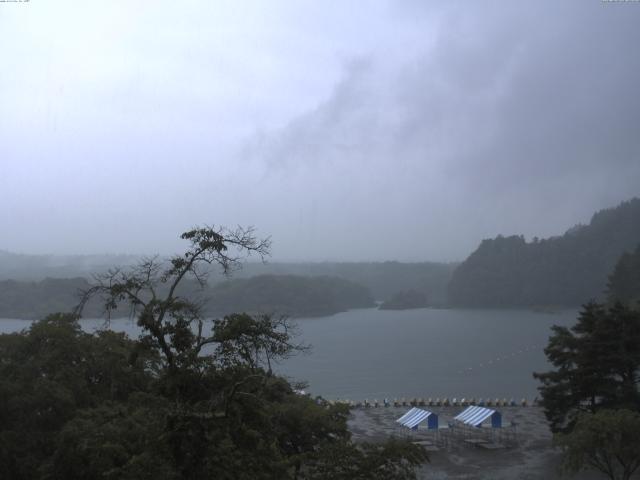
<point>506,271</point>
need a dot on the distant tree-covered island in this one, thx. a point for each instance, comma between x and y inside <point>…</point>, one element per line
<point>406,300</point>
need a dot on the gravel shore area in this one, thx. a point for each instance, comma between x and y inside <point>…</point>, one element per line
<point>521,452</point>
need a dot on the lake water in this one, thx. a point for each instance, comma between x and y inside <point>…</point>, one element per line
<point>373,354</point>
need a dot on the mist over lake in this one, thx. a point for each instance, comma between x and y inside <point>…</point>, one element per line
<point>373,354</point>
<point>295,212</point>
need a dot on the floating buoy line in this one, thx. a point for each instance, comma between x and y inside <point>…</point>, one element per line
<point>438,402</point>
<point>499,359</point>
<point>455,401</point>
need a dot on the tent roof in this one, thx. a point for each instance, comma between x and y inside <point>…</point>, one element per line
<point>409,413</point>
<point>474,415</point>
<point>413,417</point>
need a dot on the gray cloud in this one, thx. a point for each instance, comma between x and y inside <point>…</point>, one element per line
<point>522,120</point>
<point>407,131</point>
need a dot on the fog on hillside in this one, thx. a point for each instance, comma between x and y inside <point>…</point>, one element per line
<point>319,240</point>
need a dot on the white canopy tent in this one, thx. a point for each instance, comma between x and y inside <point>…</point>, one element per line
<point>475,415</point>
<point>415,416</point>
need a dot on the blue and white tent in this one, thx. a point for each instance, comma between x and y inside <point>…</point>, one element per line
<point>475,415</point>
<point>415,416</point>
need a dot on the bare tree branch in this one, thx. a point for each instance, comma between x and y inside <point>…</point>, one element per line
<point>149,289</point>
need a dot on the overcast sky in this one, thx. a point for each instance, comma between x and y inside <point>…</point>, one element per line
<point>346,130</point>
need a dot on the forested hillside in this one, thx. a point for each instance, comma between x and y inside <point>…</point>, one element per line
<point>624,282</point>
<point>31,300</point>
<point>383,279</point>
<point>280,294</point>
<point>565,271</point>
<point>287,294</point>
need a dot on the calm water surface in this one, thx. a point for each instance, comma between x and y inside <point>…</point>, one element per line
<point>375,354</point>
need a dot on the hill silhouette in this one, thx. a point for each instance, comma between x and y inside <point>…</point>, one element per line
<point>562,271</point>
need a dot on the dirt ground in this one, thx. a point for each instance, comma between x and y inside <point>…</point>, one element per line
<point>524,452</point>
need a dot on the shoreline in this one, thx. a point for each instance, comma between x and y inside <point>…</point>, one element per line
<point>532,456</point>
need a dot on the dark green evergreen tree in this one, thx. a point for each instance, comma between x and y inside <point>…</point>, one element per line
<point>597,365</point>
<point>624,282</point>
<point>606,441</point>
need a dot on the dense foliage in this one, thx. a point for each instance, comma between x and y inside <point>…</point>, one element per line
<point>289,295</point>
<point>607,441</point>
<point>624,282</point>
<point>54,380</point>
<point>31,300</point>
<point>187,400</point>
<point>566,270</point>
<point>596,365</point>
<point>75,405</point>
